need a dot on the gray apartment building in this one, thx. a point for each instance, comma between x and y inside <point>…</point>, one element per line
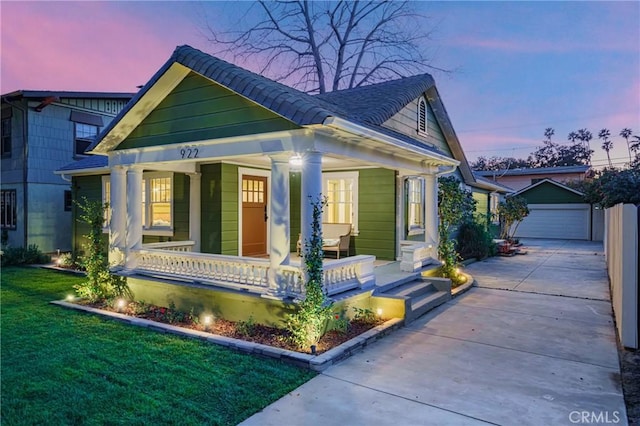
<point>41,132</point>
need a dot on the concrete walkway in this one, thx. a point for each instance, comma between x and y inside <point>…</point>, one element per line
<point>533,343</point>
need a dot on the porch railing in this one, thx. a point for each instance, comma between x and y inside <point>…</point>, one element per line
<point>248,273</point>
<point>171,245</point>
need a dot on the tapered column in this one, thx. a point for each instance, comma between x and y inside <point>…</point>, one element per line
<point>431,211</point>
<point>134,215</point>
<point>279,221</point>
<point>194,209</point>
<point>118,215</point>
<point>311,178</point>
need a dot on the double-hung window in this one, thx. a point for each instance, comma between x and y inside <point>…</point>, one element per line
<point>414,205</point>
<point>156,202</point>
<point>8,217</point>
<point>341,190</point>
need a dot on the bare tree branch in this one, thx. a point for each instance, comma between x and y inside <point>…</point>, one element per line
<point>320,46</point>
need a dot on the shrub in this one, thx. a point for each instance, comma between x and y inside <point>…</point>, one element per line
<point>100,283</point>
<point>246,328</point>
<point>307,325</point>
<point>21,256</point>
<point>364,315</point>
<point>474,241</point>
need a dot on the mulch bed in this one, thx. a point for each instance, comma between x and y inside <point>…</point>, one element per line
<point>243,330</point>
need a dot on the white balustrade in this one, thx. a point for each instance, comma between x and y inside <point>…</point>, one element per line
<point>185,246</point>
<point>250,273</point>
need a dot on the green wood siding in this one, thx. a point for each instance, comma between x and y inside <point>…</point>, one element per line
<point>482,205</point>
<point>376,213</point>
<point>199,109</point>
<point>219,209</point>
<point>89,187</point>
<point>406,121</point>
<point>294,206</point>
<point>548,193</point>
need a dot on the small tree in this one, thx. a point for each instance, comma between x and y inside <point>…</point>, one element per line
<point>308,324</point>
<point>455,206</point>
<point>100,283</point>
<point>512,211</point>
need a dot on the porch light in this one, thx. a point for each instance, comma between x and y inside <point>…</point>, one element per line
<point>296,160</point>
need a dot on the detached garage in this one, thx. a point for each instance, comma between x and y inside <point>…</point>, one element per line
<point>555,211</point>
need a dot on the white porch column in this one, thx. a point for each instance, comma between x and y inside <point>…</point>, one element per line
<point>431,212</point>
<point>279,220</point>
<point>134,215</point>
<point>194,209</point>
<point>311,190</point>
<point>118,209</point>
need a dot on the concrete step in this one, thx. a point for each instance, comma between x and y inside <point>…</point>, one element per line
<point>413,288</point>
<point>424,303</point>
<point>385,288</point>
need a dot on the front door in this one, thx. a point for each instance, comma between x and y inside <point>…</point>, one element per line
<point>254,215</point>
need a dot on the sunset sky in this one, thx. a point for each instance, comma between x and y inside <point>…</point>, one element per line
<point>519,66</point>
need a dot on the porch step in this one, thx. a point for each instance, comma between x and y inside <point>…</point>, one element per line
<point>421,295</point>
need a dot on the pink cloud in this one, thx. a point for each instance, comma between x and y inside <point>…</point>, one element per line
<point>99,45</point>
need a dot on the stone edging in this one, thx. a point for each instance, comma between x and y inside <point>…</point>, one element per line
<point>455,292</point>
<point>312,362</point>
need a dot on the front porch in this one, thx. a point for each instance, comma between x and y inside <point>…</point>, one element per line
<point>177,261</point>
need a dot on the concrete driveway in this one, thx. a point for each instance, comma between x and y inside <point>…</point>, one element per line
<point>533,343</point>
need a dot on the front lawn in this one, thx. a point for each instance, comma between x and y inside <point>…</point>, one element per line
<point>65,367</point>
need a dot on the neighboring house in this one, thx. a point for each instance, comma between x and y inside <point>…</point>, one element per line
<point>210,169</point>
<point>557,211</point>
<point>518,179</point>
<point>41,132</point>
<point>488,194</point>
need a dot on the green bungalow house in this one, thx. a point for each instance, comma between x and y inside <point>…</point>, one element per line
<point>210,169</point>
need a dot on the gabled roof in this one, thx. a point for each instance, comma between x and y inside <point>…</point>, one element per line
<point>548,181</point>
<point>376,102</point>
<point>533,171</point>
<point>490,185</point>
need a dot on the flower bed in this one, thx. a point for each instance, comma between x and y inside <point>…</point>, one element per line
<point>244,330</point>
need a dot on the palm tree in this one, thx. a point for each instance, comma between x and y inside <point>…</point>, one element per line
<point>625,133</point>
<point>607,145</point>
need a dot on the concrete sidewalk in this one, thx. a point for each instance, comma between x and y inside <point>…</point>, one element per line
<point>533,343</point>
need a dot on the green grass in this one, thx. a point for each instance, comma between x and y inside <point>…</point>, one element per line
<point>61,366</point>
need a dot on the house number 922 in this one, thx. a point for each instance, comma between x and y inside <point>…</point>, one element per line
<point>189,152</point>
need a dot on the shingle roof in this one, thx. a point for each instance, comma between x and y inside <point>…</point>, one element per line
<point>90,162</point>
<point>369,106</point>
<point>376,103</point>
<point>533,171</point>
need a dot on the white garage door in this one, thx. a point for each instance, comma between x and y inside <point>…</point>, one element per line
<point>563,221</point>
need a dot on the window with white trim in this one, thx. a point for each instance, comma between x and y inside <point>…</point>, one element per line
<point>494,200</point>
<point>156,203</point>
<point>8,214</point>
<point>341,190</point>
<point>106,200</point>
<point>414,195</point>
<point>422,116</point>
